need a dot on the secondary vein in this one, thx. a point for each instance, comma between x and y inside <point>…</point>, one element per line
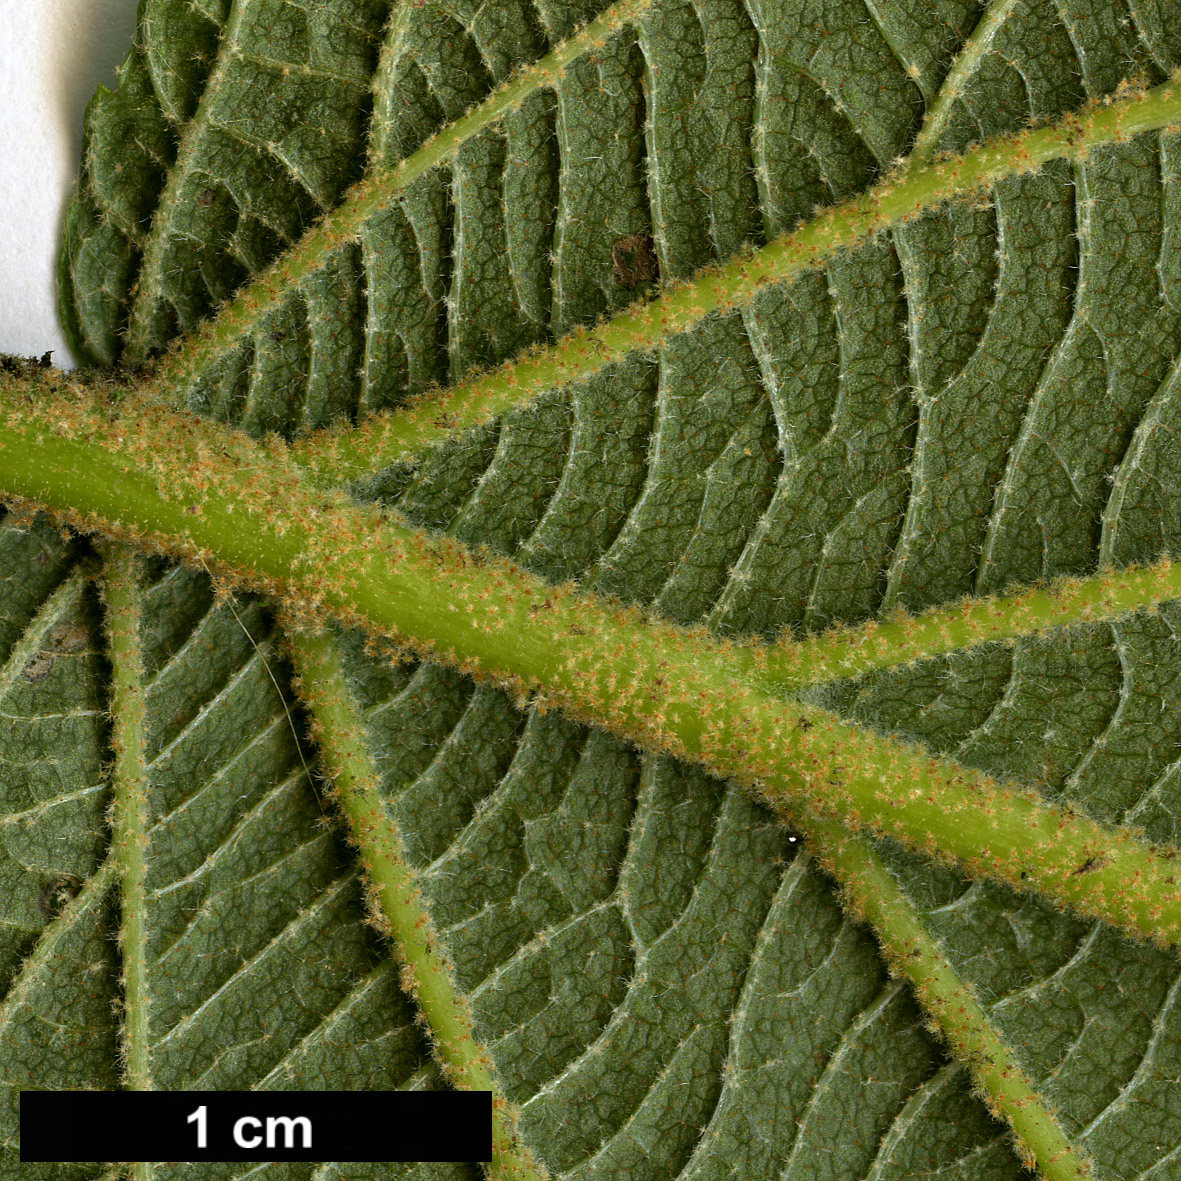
<point>150,285</point>
<point>193,353</point>
<point>396,902</point>
<point>966,63</point>
<point>901,638</point>
<point>344,453</point>
<point>911,951</point>
<point>129,838</point>
<point>62,602</point>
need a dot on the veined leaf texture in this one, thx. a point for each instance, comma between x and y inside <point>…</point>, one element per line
<point>985,395</point>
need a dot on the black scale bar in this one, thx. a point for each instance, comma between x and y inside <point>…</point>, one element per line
<point>256,1126</point>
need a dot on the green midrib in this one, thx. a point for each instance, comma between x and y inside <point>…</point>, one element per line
<point>202,493</point>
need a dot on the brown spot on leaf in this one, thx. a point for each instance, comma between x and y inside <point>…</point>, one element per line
<point>634,260</point>
<point>40,665</point>
<point>62,639</point>
<point>68,637</point>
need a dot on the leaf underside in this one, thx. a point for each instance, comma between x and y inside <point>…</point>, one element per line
<point>668,986</point>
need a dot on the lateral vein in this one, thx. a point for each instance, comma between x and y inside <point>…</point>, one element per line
<point>41,961</point>
<point>130,806</point>
<point>150,285</point>
<point>966,63</point>
<point>63,600</point>
<point>343,453</point>
<point>395,899</point>
<point>872,891</point>
<point>901,638</point>
<point>193,353</point>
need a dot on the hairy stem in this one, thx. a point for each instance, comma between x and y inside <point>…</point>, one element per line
<point>397,902</point>
<point>142,473</point>
<point>343,454</point>
<point>129,809</point>
<point>966,63</point>
<point>903,639</point>
<point>911,951</point>
<point>195,352</point>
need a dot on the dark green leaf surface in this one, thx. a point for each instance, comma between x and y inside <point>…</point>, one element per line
<point>667,984</point>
